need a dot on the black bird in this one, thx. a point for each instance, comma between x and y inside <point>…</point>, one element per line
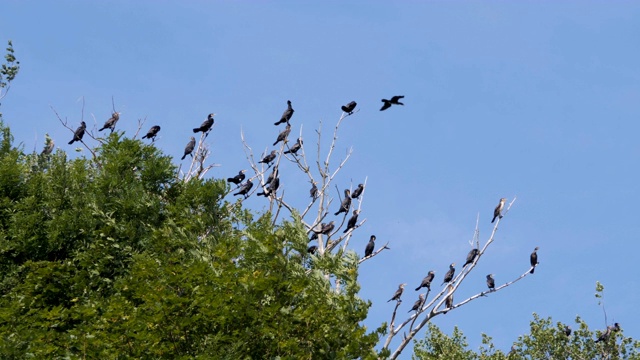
<point>111,123</point>
<point>312,249</point>
<point>471,256</point>
<point>491,282</point>
<point>238,178</point>
<point>351,224</point>
<point>449,275</point>
<point>77,136</point>
<point>418,304</point>
<point>497,212</point>
<point>189,148</point>
<point>394,101</point>
<point>286,115</point>
<point>426,282</point>
<point>294,149</point>
<point>533,259</point>
<point>315,233</point>
<point>244,189</point>
<point>269,158</point>
<point>369,249</point>
<point>567,330</point>
<point>358,191</point>
<point>349,107</point>
<point>605,335</point>
<point>206,125</point>
<point>270,188</point>
<point>151,134</point>
<point>346,202</point>
<point>398,293</point>
<point>273,175</point>
<point>283,135</point>
<point>48,146</point>
<point>314,190</point>
<point>327,228</point>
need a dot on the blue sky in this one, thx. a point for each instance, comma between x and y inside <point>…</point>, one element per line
<point>538,100</point>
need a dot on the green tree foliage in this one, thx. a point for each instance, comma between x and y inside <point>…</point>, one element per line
<point>116,257</point>
<point>546,340</point>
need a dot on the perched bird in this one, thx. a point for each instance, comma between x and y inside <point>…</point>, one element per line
<point>315,233</point>
<point>238,178</point>
<point>351,224</point>
<point>534,259</point>
<point>294,149</point>
<point>286,115</point>
<point>358,191</point>
<point>151,134</point>
<point>327,228</point>
<point>491,282</point>
<point>426,282</point>
<point>346,202</point>
<point>349,107</point>
<point>269,158</point>
<point>189,148</point>
<point>48,146</point>
<point>270,187</point>
<point>283,135</point>
<point>244,189</point>
<point>471,256</point>
<point>394,101</point>
<point>448,302</point>
<point>206,125</point>
<point>314,190</point>
<point>111,123</point>
<point>449,275</point>
<point>567,330</point>
<point>398,293</point>
<point>77,136</point>
<point>497,212</point>
<point>312,249</point>
<point>418,304</point>
<point>368,250</point>
<point>273,175</point>
<point>605,335</point>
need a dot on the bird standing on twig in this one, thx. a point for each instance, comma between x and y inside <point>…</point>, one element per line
<point>206,125</point>
<point>151,134</point>
<point>351,224</point>
<point>398,293</point>
<point>491,282</point>
<point>111,123</point>
<point>533,259</point>
<point>244,189</point>
<point>358,191</point>
<point>314,190</point>
<point>269,158</point>
<point>448,302</point>
<point>418,304</point>
<point>426,282</point>
<point>346,202</point>
<point>48,146</point>
<point>189,148</point>
<point>77,136</point>
<point>294,149</point>
<point>238,178</point>
<point>368,250</point>
<point>449,275</point>
<point>283,135</point>
<point>286,115</point>
<point>394,101</point>
<point>349,107</point>
<point>471,256</point>
<point>497,212</point>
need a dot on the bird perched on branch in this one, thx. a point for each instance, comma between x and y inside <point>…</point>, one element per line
<point>449,275</point>
<point>270,188</point>
<point>327,228</point>
<point>448,302</point>
<point>151,134</point>
<point>238,178</point>
<point>294,149</point>
<point>398,293</point>
<point>269,158</point>
<point>534,259</point>
<point>497,212</point>
<point>394,101</point>
<point>244,189</point>
<point>111,123</point>
<point>48,145</point>
<point>314,190</point>
<point>346,202</point>
<point>283,135</point>
<point>368,250</point>
<point>471,256</point>
<point>418,304</point>
<point>189,148</point>
<point>358,191</point>
<point>426,282</point>
<point>491,282</point>
<point>567,330</point>
<point>286,115</point>
<point>206,125</point>
<point>77,136</point>
<point>312,249</point>
<point>351,224</point>
<point>349,107</point>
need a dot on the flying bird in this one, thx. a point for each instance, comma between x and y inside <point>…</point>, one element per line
<point>286,115</point>
<point>244,189</point>
<point>294,149</point>
<point>269,158</point>
<point>206,125</point>
<point>111,123</point>
<point>189,148</point>
<point>358,191</point>
<point>151,134</point>
<point>283,135</point>
<point>346,202</point>
<point>369,249</point>
<point>77,136</point>
<point>534,259</point>
<point>491,282</point>
<point>426,282</point>
<point>497,212</point>
<point>351,224</point>
<point>349,107</point>
<point>471,256</point>
<point>449,275</point>
<point>238,178</point>
<point>418,304</point>
<point>394,101</point>
<point>398,293</point>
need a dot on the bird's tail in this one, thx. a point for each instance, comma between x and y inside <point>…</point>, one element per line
<point>102,128</point>
<point>418,288</point>
<point>195,130</point>
<point>183,156</point>
<point>71,142</point>
<point>532,270</point>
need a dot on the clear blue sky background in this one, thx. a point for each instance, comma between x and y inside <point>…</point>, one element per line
<point>538,100</point>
